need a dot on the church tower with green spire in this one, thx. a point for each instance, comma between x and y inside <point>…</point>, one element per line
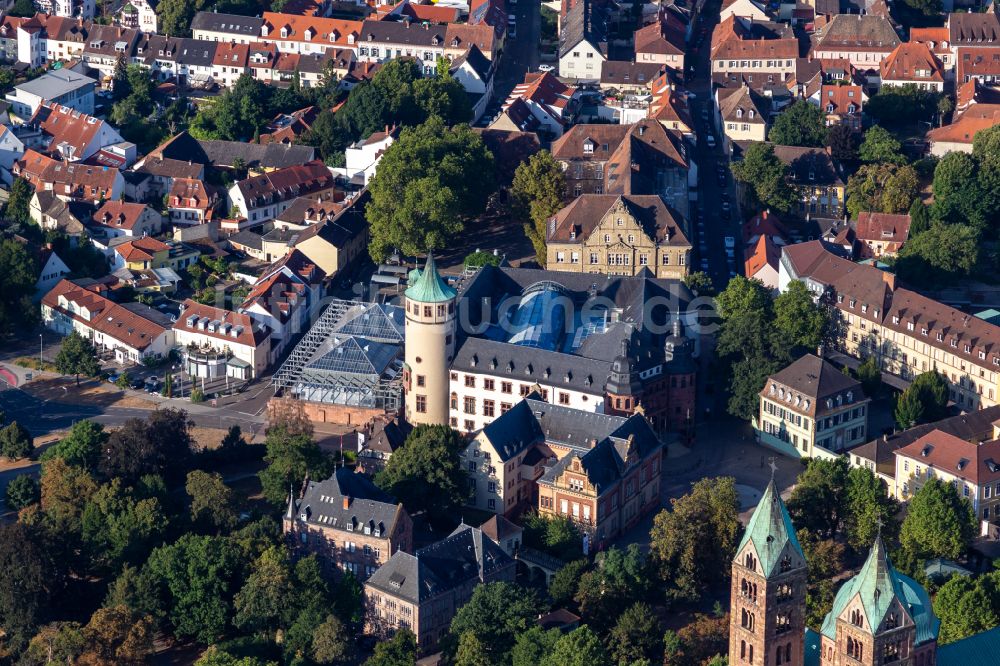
<point>768,596</point>
<point>879,617</point>
<point>430,345</point>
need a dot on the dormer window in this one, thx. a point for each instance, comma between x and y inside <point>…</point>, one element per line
<point>588,147</point>
<point>829,108</point>
<point>909,325</point>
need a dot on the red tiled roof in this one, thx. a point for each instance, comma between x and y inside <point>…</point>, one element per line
<point>111,319</point>
<point>141,249</point>
<point>228,323</point>
<point>912,61</point>
<point>764,253</point>
<point>841,97</point>
<point>310,29</point>
<point>883,228</point>
<point>68,130</point>
<point>119,214</point>
<point>967,460</point>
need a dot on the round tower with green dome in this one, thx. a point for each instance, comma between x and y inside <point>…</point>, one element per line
<point>430,345</point>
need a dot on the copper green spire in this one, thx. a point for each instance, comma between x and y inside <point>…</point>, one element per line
<point>427,286</point>
<point>770,529</point>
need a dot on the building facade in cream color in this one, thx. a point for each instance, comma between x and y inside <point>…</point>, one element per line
<point>906,332</point>
<point>430,345</point>
<point>618,235</point>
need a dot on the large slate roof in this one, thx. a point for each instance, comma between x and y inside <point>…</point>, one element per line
<point>323,504</point>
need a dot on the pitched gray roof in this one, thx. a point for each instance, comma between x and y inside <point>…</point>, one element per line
<point>462,557</point>
<point>231,23</point>
<point>369,507</point>
<point>584,21</point>
<point>184,147</point>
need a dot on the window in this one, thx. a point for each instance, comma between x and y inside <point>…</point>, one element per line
<point>469,406</point>
<point>470,381</point>
<point>564,400</point>
<point>488,384</point>
<point>488,407</point>
<point>420,380</point>
<point>421,404</point>
<point>506,387</point>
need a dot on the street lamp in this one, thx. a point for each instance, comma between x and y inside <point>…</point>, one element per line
<point>41,361</point>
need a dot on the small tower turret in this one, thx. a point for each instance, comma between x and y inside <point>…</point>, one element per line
<point>430,345</point>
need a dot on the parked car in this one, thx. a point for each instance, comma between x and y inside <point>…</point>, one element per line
<point>152,384</point>
<point>726,206</point>
<point>511,18</point>
<point>710,140</point>
<point>546,68</point>
<point>113,377</point>
<point>730,242</point>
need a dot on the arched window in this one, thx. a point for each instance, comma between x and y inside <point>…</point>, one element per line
<point>786,564</point>
<point>891,621</point>
<point>788,653</point>
<point>750,562</point>
<point>750,655</point>
<point>777,659</point>
<point>743,649</point>
<point>746,619</point>
<point>856,618</point>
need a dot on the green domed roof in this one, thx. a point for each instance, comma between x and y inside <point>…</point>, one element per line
<point>427,286</point>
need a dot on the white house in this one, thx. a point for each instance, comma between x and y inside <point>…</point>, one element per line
<point>53,269</point>
<point>70,134</point>
<point>131,331</point>
<point>362,158</point>
<point>221,343</point>
<point>262,198</point>
<point>11,150</point>
<point>61,86</point>
<point>138,14</point>
<point>582,43</point>
<point>475,72</point>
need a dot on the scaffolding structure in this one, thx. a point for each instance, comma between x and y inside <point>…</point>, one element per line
<point>352,355</point>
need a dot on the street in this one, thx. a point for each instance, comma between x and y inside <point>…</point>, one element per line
<point>709,229</point>
<point>519,56</point>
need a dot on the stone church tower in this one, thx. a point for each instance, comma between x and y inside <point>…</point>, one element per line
<point>430,345</point>
<point>768,597</point>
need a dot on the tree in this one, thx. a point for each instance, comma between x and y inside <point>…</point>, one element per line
<point>324,135</point>
<point>57,642</point>
<point>66,489</point>
<point>924,401</point>
<point>400,650</point>
<point>15,442</point>
<point>17,207</point>
<point>870,376</point>
<point>77,356</point>
<point>701,639</point>
<point>81,447</point>
<point>211,500</point>
<point>175,16</point>
<point>213,656</point>
<point>920,218</point>
<point>898,105</point>
<point>23,490</point>
<point>425,474</point>
<point>118,526</point>
<point>766,178</point>
<point>882,188</point>
<point>291,455</point>
<point>30,578</point>
<point>17,285</point>
<point>843,143</point>
<point>942,254</point>
<point>694,542</point>
<point>117,636</point>
<point>867,505</point>
<point>801,322</point>
<point>159,445</point>
<point>565,582</point>
<point>421,195</point>
<point>958,195</point>
<point>533,646</point>
<point>966,607</point>
<point>700,283</point>
<point>261,604</point>
<point>939,522</point>
<point>496,614</point>
<point>556,535</point>
<point>580,647</point>
<point>636,635</point>
<point>618,579</point>
<point>817,502</point>
<point>24,8</point>
<point>197,578</point>
<point>470,651</point>
<point>537,194</point>
<point>880,146</point>
<point>331,642</point>
<point>801,124</point>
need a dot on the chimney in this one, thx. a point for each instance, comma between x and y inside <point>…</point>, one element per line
<point>819,351</point>
<point>889,279</point>
<point>347,502</point>
<point>885,437</point>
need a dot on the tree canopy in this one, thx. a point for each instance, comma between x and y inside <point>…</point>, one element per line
<point>77,356</point>
<point>17,284</point>
<point>939,522</point>
<point>880,146</point>
<point>495,615</point>
<point>422,194</point>
<point>536,195</point>
<point>801,124</point>
<point>925,400</point>
<point>766,178</point>
<point>882,188</point>
<point>425,474</point>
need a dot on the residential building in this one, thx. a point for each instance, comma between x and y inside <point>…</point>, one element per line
<point>191,202</point>
<point>285,298</point>
<point>863,39</point>
<point>742,114</point>
<point>423,591</point>
<point>52,269</point>
<point>308,34</point>
<point>52,213</point>
<point>348,523</point>
<point>257,158</point>
<point>380,41</point>
<point>82,9</point>
<point>139,15</point>
<point>978,64</point>
<point>670,108</point>
<point>583,40</point>
<point>287,127</point>
<point>958,136</point>
<point>124,218</point>
<point>384,439</point>
<point>907,332</point>
<point>883,234</point>
<point>767,599</point>
<point>972,31</point>
<point>106,44</point>
<point>744,9</point>
<point>812,409</point>
<point>336,234</point>
<point>762,260</point>
<point>221,343</point>
<point>600,471</point>
<point>69,135</point>
<point>231,61</point>
<point>59,86</point>
<point>70,181</point>
<point>131,331</point>
<point>643,158</point>
<point>912,63</point>
<point>542,104</point>
<point>764,50</point>
<point>878,454</point>
<point>475,72</point>
<point>226,28</point>
<point>261,198</point>
<point>662,41</point>
<point>142,253</point>
<point>936,39</point>
<point>972,468</point>
<point>617,235</point>
<point>842,104</point>
<point>362,157</point>
<point>822,191</point>
<point>627,77</point>
<point>11,150</point>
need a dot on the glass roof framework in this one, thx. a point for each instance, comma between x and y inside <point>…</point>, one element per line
<point>352,355</point>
